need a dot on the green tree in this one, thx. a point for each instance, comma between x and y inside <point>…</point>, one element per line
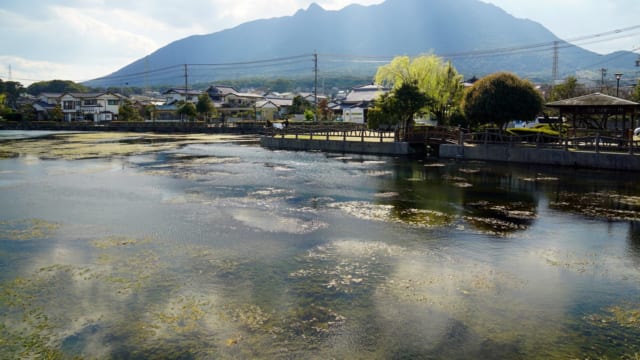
<point>187,110</point>
<point>568,89</point>
<point>205,107</point>
<point>55,86</point>
<point>309,115</point>
<point>383,114</point>
<point>636,93</point>
<point>12,91</point>
<point>56,114</point>
<point>150,112</point>
<point>299,105</point>
<point>438,80</point>
<point>3,107</point>
<point>128,112</point>
<point>398,107</point>
<point>280,85</point>
<point>500,98</point>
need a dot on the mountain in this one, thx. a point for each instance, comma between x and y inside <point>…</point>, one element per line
<point>479,38</point>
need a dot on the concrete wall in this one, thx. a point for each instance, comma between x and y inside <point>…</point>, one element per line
<point>557,157</point>
<point>356,147</point>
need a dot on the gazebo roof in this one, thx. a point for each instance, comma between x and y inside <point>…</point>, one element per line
<point>593,100</point>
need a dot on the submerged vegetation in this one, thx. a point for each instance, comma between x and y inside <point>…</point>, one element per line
<point>214,250</point>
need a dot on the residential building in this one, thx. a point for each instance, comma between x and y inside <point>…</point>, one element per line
<point>233,104</point>
<point>94,107</point>
<point>357,102</point>
<point>272,109</point>
<point>175,95</point>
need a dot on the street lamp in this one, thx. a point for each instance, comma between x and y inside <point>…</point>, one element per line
<point>618,76</point>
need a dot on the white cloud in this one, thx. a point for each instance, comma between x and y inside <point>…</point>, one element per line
<point>82,39</point>
<point>27,71</point>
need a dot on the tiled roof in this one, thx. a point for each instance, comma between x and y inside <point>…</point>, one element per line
<point>365,93</point>
<point>590,100</point>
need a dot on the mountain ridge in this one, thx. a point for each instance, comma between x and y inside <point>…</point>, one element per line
<point>388,29</point>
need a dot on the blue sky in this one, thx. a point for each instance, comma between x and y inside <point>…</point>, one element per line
<point>83,39</point>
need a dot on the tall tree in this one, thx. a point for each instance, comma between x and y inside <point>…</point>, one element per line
<point>150,112</point>
<point>398,107</point>
<point>205,106</point>
<point>128,112</point>
<point>500,98</point>
<point>568,89</point>
<point>323,110</point>
<point>438,80</point>
<point>187,110</point>
<point>3,107</point>
<point>299,105</point>
<point>12,91</point>
<point>636,93</point>
<point>56,114</point>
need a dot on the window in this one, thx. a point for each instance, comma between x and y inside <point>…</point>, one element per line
<point>112,102</point>
<point>90,102</point>
<point>68,105</point>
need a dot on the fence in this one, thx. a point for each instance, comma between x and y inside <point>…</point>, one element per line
<point>582,140</point>
<point>344,132</point>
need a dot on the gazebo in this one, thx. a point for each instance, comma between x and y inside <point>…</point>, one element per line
<point>587,107</point>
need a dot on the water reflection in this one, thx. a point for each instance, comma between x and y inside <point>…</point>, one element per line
<point>210,248</point>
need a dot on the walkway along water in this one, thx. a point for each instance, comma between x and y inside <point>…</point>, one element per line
<point>584,151</point>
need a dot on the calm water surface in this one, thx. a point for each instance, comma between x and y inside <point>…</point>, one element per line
<point>208,247</point>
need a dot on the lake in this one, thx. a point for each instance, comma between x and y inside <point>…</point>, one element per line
<point>134,246</point>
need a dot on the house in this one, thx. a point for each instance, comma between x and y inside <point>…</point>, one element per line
<point>174,95</point>
<point>233,104</point>
<point>311,97</point>
<point>44,104</point>
<point>94,107</point>
<point>355,105</point>
<point>272,108</point>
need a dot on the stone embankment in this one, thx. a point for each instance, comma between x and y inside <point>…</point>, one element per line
<point>553,157</point>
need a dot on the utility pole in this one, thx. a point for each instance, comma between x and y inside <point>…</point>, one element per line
<point>604,73</point>
<point>186,81</point>
<point>315,83</point>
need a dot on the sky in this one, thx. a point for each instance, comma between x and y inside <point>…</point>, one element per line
<point>83,39</point>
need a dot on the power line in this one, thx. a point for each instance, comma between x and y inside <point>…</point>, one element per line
<point>277,64</point>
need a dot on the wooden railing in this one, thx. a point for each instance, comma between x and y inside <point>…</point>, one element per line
<point>344,132</point>
<point>583,141</point>
<point>432,135</point>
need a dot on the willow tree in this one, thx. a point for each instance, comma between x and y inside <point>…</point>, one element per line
<point>438,80</point>
<point>500,98</point>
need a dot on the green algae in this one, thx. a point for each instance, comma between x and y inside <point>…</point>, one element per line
<point>75,146</point>
<point>27,229</point>
<point>605,205</point>
<point>423,218</point>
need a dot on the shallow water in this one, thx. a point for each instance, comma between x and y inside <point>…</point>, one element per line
<point>212,247</point>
